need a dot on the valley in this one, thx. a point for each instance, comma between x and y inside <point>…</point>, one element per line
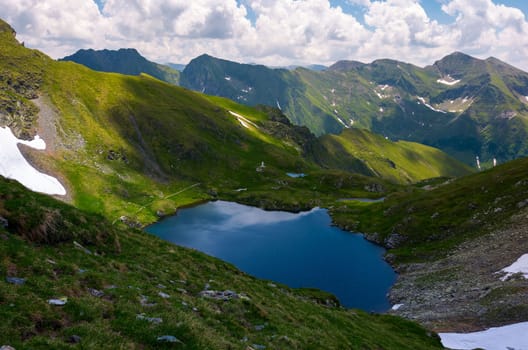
<point>131,149</point>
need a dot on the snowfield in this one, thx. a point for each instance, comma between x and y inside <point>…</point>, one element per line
<point>511,337</point>
<point>13,165</point>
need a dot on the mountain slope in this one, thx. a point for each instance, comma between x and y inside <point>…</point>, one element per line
<point>400,162</point>
<point>125,288</point>
<point>449,243</point>
<point>124,61</point>
<point>462,105</point>
<point>128,145</point>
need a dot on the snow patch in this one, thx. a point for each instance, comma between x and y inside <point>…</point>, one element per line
<point>429,106</point>
<point>448,82</point>
<point>342,122</point>
<point>246,123</point>
<point>511,337</point>
<point>519,266</point>
<point>396,307</point>
<point>13,165</point>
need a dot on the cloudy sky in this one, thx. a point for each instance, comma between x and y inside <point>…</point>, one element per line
<point>277,32</point>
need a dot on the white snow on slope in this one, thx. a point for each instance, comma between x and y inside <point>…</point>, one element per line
<point>342,122</point>
<point>519,266</point>
<point>445,82</point>
<point>243,120</point>
<point>396,307</point>
<point>13,165</point>
<point>429,106</point>
<point>511,337</point>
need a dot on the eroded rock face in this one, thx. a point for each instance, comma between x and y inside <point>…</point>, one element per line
<point>394,240</point>
<point>464,291</point>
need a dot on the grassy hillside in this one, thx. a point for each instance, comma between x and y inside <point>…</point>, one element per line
<point>426,223</point>
<point>400,162</point>
<point>62,252</point>
<point>450,240</point>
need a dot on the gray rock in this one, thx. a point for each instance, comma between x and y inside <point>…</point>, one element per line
<point>74,339</point>
<point>16,280</point>
<point>154,320</point>
<point>394,240</point>
<point>164,295</point>
<point>96,293</point>
<point>3,222</point>
<point>219,295</point>
<point>58,302</point>
<point>169,339</point>
<point>145,302</point>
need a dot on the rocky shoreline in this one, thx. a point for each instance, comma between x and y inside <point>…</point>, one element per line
<point>463,292</point>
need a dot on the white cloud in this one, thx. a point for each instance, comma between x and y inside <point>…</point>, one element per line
<point>359,2</point>
<point>283,31</point>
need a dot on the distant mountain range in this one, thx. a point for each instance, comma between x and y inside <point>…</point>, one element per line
<point>463,105</point>
<point>124,61</point>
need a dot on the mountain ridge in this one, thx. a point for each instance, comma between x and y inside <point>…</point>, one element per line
<point>125,61</point>
<point>464,102</point>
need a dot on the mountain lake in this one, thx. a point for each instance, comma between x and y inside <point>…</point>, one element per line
<point>299,250</point>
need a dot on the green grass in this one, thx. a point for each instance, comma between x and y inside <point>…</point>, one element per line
<point>433,221</point>
<point>399,162</point>
<point>126,264</point>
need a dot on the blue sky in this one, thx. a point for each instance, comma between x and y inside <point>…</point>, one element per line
<point>278,32</point>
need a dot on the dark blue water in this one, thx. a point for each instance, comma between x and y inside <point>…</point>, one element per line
<point>299,250</point>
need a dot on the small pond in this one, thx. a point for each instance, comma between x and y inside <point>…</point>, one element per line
<point>296,175</point>
<point>299,250</point>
